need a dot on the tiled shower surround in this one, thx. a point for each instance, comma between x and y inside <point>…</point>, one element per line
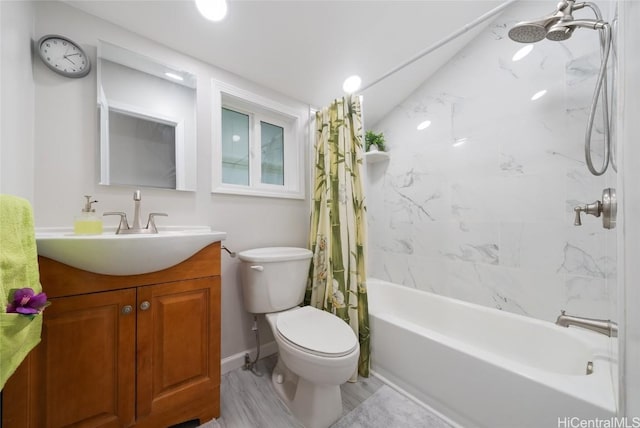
<point>479,205</point>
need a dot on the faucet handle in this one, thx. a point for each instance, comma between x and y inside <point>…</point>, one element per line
<point>124,224</point>
<point>608,209</point>
<point>578,220</point>
<point>151,224</point>
<point>595,209</point>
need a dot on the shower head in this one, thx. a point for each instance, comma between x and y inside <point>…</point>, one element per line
<point>564,29</point>
<point>556,27</point>
<point>537,29</point>
<point>560,32</point>
<point>528,32</point>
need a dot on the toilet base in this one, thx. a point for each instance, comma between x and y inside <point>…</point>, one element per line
<point>316,406</point>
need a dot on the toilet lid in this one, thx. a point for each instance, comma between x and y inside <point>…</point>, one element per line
<point>274,254</point>
<point>317,331</point>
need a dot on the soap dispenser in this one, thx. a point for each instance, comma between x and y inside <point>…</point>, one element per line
<point>88,223</point>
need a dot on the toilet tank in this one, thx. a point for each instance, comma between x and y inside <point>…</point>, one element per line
<point>274,278</point>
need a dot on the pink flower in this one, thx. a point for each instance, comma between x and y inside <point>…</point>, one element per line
<point>26,302</point>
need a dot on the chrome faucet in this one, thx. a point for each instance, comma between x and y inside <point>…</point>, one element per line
<point>123,226</point>
<point>606,327</point>
<point>137,196</point>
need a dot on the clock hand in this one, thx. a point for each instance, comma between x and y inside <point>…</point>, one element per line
<point>67,58</point>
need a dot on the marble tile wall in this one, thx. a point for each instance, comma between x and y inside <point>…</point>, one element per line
<point>479,205</point>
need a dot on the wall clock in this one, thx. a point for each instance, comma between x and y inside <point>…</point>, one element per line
<point>63,56</point>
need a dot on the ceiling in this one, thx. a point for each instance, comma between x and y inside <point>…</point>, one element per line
<point>306,48</point>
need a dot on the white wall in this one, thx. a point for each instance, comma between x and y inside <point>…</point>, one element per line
<point>629,62</point>
<point>66,149</point>
<point>479,206</point>
<point>16,99</point>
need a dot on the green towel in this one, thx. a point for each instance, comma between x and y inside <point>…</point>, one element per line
<point>18,269</point>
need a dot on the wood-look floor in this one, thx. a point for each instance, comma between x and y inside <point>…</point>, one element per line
<point>249,401</point>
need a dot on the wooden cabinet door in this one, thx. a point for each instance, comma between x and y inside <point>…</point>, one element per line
<point>178,359</point>
<point>82,373</point>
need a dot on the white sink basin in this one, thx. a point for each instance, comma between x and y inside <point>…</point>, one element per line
<point>111,254</point>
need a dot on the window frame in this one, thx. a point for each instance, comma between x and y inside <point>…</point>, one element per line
<point>260,109</point>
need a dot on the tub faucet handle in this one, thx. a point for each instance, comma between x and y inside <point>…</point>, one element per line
<point>595,209</point>
<point>608,209</point>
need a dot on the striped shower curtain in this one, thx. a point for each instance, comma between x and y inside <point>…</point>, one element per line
<point>337,277</point>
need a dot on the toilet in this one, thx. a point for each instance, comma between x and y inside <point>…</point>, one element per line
<point>317,351</point>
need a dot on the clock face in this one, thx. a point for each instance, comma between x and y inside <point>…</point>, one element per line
<point>64,56</point>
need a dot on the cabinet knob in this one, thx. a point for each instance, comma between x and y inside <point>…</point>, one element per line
<point>145,305</point>
<point>126,310</point>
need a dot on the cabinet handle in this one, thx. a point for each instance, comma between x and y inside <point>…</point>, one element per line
<point>145,305</point>
<point>126,310</point>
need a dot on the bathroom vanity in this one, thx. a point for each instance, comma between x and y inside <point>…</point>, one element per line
<point>123,351</point>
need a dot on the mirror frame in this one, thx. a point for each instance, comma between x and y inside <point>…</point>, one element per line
<point>186,175</point>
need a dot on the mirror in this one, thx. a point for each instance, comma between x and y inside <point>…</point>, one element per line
<point>147,121</point>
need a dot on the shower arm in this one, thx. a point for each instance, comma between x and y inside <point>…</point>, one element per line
<point>584,23</point>
<point>568,19</point>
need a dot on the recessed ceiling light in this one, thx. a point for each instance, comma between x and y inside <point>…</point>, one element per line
<point>213,10</point>
<point>424,125</point>
<point>522,52</point>
<point>174,76</point>
<point>352,84</point>
<point>538,95</point>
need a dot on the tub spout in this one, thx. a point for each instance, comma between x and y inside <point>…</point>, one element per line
<point>606,327</point>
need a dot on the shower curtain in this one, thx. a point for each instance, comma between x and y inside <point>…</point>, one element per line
<point>337,277</point>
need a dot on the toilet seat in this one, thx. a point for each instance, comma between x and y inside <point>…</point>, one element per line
<point>316,332</point>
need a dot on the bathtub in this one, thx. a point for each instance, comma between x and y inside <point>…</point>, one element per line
<point>485,368</point>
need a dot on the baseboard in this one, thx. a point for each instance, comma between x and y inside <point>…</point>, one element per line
<point>236,361</point>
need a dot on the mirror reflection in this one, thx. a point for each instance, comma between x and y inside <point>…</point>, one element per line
<point>147,121</point>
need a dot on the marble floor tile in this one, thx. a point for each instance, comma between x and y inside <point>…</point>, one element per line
<point>249,401</point>
<point>388,408</point>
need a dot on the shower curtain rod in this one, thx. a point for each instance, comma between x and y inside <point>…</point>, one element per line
<point>440,43</point>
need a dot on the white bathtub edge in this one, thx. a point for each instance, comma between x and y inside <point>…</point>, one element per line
<point>570,389</point>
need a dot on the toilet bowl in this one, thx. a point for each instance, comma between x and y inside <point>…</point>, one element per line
<point>317,351</point>
<point>310,368</point>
